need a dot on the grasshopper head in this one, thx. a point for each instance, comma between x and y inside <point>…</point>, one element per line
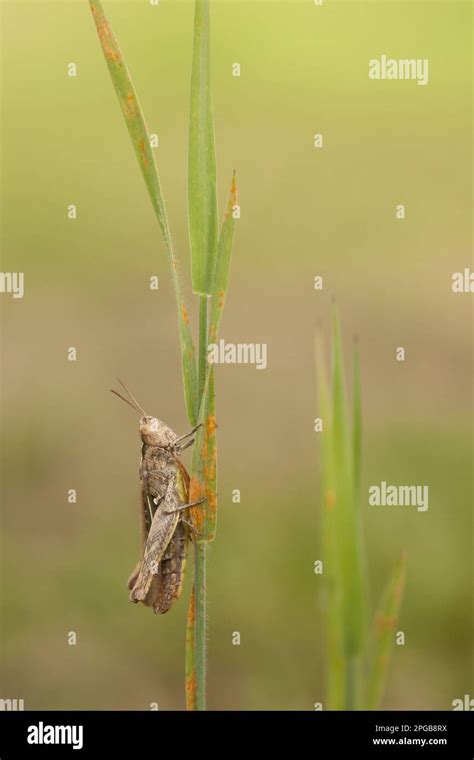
<point>154,432</point>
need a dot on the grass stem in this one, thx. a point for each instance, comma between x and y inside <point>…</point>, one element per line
<point>200,623</point>
<point>199,591</point>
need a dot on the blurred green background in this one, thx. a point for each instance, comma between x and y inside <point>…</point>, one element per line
<point>304,212</point>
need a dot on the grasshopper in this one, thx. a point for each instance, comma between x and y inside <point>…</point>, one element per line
<point>157,580</point>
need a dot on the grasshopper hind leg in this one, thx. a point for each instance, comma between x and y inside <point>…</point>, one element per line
<point>172,569</point>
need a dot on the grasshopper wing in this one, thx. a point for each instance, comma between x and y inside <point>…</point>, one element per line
<point>163,525</point>
<point>146,513</point>
<point>173,562</point>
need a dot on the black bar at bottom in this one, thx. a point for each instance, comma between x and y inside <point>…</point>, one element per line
<point>374,734</point>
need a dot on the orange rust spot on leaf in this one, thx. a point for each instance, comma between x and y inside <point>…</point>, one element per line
<point>196,489</point>
<point>130,108</point>
<point>212,469</point>
<point>191,687</point>
<point>142,148</point>
<point>191,684</point>
<point>384,623</point>
<point>232,200</point>
<point>191,609</point>
<point>211,424</point>
<point>330,499</point>
<point>111,54</point>
<point>212,501</point>
<point>106,37</point>
<point>398,591</point>
<point>197,519</point>
<point>184,314</point>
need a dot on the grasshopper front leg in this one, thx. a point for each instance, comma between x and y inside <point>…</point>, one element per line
<point>187,435</point>
<point>191,527</point>
<point>186,506</point>
<point>187,445</point>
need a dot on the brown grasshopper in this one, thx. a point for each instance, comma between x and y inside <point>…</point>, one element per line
<point>157,580</point>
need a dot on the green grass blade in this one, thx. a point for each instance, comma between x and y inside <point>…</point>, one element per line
<point>222,277</point>
<point>132,113</point>
<point>141,143</point>
<point>202,200</point>
<point>331,576</point>
<point>204,463</point>
<point>356,422</point>
<point>348,529</point>
<point>383,634</point>
<point>204,467</point>
<point>356,474</point>
<point>200,623</point>
<point>190,660</point>
<point>224,254</point>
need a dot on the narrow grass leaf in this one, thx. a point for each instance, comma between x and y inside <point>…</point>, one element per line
<point>383,634</point>
<point>348,530</point>
<point>204,468</point>
<point>139,136</point>
<point>191,683</point>
<point>332,579</point>
<point>204,464</point>
<point>356,422</point>
<point>224,254</point>
<point>356,475</point>
<point>202,200</point>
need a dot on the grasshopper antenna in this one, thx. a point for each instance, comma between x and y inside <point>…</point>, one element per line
<point>124,399</point>
<point>137,405</point>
